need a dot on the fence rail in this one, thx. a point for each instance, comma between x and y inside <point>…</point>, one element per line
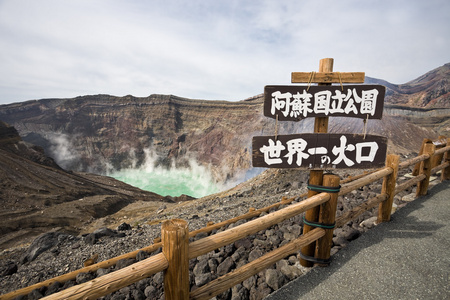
<point>177,251</point>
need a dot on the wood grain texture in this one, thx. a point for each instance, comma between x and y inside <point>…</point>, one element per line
<point>229,236</point>
<point>114,281</point>
<point>328,77</point>
<point>316,176</point>
<point>425,168</point>
<point>327,215</point>
<point>388,187</point>
<point>175,239</point>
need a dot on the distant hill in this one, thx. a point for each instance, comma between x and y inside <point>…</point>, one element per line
<point>431,90</point>
<point>424,101</point>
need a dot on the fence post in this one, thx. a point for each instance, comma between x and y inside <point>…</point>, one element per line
<point>388,187</point>
<point>445,173</point>
<point>436,161</point>
<point>313,216</point>
<point>416,169</point>
<point>327,216</point>
<point>175,240</point>
<point>425,168</point>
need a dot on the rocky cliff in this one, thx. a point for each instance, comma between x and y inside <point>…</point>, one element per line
<point>36,195</point>
<point>100,133</point>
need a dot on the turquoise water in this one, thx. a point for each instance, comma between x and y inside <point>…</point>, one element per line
<point>193,180</point>
<point>172,182</point>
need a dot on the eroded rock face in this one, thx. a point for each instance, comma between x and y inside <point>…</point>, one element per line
<point>37,195</point>
<point>98,133</point>
<point>94,133</point>
<point>101,133</point>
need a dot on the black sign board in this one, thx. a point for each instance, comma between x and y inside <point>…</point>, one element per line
<point>296,102</point>
<point>319,150</point>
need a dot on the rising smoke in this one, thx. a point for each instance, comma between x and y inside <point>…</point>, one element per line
<point>62,150</point>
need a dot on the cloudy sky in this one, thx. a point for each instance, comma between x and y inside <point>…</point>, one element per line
<point>204,49</point>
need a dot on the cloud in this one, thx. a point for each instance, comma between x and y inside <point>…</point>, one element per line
<point>208,49</point>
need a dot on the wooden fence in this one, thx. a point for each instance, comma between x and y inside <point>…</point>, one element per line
<point>174,259</point>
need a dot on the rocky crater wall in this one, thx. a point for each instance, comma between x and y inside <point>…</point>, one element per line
<point>102,133</point>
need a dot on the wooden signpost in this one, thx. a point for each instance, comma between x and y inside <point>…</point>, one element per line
<point>294,102</point>
<point>321,150</point>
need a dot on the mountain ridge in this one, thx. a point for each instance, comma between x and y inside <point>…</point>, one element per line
<point>431,90</point>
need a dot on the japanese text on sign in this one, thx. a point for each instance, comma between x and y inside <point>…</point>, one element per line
<point>319,151</point>
<point>292,103</point>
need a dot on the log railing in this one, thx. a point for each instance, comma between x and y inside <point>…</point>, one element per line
<point>177,251</point>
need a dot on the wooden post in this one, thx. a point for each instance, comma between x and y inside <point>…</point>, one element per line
<point>436,161</point>
<point>315,176</point>
<point>425,168</point>
<point>388,187</point>
<point>416,169</point>
<point>445,174</point>
<point>327,215</point>
<point>175,239</point>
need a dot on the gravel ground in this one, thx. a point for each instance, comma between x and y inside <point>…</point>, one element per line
<point>67,253</point>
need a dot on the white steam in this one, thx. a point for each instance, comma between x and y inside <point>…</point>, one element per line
<point>186,176</point>
<point>62,150</point>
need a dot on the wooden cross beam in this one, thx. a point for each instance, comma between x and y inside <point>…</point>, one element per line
<point>327,77</point>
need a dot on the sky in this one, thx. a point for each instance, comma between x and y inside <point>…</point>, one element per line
<point>205,49</point>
